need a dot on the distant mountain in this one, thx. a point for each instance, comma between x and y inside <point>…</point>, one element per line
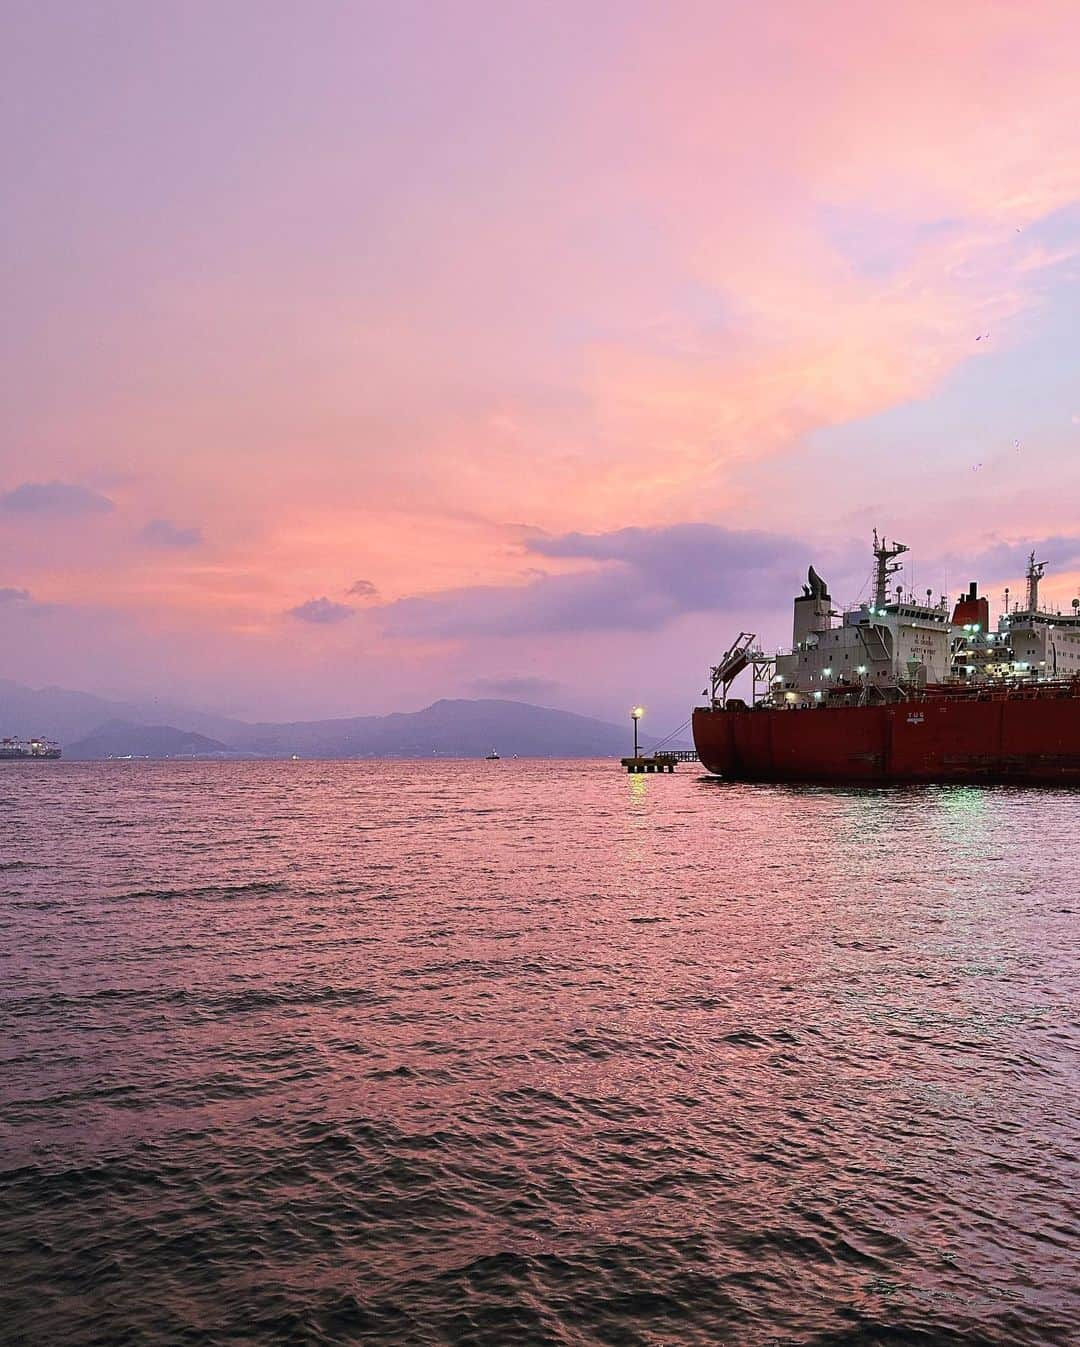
<point>92,727</point>
<point>119,739</point>
<point>67,716</point>
<point>453,729</point>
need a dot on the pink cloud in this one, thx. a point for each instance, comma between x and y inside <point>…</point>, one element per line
<point>393,322</point>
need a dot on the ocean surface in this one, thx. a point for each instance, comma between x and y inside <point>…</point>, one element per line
<point>533,1052</point>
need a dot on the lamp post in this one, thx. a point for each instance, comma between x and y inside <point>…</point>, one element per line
<point>635,716</point>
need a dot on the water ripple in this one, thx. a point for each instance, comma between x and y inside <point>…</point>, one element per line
<point>534,1053</point>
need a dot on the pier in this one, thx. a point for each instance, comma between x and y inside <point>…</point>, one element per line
<point>662,760</point>
<point>658,762</point>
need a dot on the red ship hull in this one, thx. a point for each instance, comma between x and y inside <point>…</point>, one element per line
<point>1023,736</point>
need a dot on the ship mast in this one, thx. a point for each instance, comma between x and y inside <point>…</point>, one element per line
<point>1034,575</point>
<point>884,566</point>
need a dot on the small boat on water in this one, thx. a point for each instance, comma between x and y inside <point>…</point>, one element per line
<point>492,757</point>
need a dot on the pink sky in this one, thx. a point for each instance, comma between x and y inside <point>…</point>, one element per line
<point>300,296</point>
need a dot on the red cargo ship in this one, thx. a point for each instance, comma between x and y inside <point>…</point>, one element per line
<point>900,690</point>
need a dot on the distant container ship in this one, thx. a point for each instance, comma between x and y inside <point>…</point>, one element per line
<point>11,749</point>
<point>898,690</point>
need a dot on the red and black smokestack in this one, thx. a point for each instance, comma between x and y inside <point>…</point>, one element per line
<point>971,609</point>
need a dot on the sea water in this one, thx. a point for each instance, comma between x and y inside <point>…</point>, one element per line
<point>533,1052</point>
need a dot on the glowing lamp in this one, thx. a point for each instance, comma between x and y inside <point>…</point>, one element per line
<point>635,716</point>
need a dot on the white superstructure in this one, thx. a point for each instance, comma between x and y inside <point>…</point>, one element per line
<point>871,650</point>
<point>893,645</point>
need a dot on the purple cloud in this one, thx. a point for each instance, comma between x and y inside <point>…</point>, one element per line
<point>322,611</point>
<point>362,589</point>
<point>54,498</point>
<point>1004,560</point>
<point>647,578</point>
<point>699,566</point>
<point>164,533</point>
<point>22,603</point>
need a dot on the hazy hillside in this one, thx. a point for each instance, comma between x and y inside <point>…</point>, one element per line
<point>69,716</point>
<point>119,739</point>
<point>92,727</point>
<point>447,728</point>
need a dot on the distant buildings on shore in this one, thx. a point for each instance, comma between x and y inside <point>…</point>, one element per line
<point>36,747</point>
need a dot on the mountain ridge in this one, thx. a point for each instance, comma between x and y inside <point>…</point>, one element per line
<point>450,727</point>
<point>121,739</point>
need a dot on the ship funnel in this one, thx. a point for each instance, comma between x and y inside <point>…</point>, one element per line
<point>813,608</point>
<point>971,610</point>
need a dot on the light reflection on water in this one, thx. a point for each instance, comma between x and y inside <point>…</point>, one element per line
<point>533,1052</point>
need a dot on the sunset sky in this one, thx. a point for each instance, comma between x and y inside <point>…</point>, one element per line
<point>359,354</point>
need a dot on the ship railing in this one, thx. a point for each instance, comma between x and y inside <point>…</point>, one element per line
<point>1011,689</point>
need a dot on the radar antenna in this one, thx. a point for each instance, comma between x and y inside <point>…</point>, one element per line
<point>1034,575</point>
<point>885,564</point>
